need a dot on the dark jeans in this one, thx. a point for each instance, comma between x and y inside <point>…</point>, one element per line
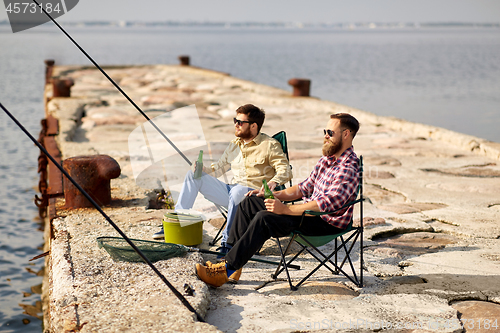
<point>253,225</point>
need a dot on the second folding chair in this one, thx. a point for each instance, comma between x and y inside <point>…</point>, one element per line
<point>344,244</point>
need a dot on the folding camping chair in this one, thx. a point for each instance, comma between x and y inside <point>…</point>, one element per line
<point>281,138</point>
<point>311,244</point>
<point>223,211</point>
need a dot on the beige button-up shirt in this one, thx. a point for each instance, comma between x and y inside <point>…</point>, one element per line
<point>251,162</point>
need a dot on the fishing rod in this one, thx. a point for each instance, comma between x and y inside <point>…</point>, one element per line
<point>115,84</point>
<point>121,91</point>
<point>89,198</point>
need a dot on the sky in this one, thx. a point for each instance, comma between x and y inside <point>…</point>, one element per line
<point>314,11</point>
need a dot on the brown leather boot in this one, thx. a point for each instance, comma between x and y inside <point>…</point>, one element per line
<point>233,278</point>
<point>214,276</point>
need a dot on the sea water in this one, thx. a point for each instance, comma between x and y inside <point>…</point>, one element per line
<point>448,77</point>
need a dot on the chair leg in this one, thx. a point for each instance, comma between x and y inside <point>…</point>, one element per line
<point>280,269</point>
<point>285,265</point>
<point>219,236</point>
<point>322,262</point>
<point>348,257</point>
<point>327,259</point>
<point>282,261</point>
<point>336,261</point>
<point>361,259</point>
<point>330,262</point>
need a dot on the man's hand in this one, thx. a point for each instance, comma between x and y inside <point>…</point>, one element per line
<point>194,166</point>
<point>276,206</point>
<point>254,192</point>
<point>272,185</point>
<point>260,192</point>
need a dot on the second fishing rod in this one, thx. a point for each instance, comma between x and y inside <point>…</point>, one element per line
<point>181,298</point>
<point>115,84</point>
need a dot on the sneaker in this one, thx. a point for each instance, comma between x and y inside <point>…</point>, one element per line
<point>223,250</point>
<point>214,276</point>
<point>159,235</point>
<point>233,278</point>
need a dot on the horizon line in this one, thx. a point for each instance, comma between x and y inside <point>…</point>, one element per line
<point>276,23</point>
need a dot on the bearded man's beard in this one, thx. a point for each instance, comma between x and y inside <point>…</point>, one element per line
<point>245,134</point>
<point>331,148</point>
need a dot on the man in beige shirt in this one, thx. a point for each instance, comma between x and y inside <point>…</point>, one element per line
<point>252,156</point>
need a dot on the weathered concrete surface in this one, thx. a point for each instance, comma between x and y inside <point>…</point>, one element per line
<point>432,217</point>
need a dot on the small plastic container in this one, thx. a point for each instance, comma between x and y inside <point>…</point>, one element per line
<point>188,231</point>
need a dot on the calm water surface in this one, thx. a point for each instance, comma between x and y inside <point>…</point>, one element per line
<point>20,237</point>
<point>443,77</point>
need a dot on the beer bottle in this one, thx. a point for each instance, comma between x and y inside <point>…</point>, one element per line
<point>199,165</point>
<point>268,194</point>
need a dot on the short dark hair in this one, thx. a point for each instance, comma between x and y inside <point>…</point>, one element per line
<point>254,114</point>
<point>347,121</point>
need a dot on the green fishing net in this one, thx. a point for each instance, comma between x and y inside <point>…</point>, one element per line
<point>120,250</point>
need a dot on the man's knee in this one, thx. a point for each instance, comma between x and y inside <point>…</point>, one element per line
<point>237,194</point>
<point>235,198</point>
<point>260,223</point>
<point>189,176</point>
<point>264,215</point>
<point>247,207</point>
<point>246,202</point>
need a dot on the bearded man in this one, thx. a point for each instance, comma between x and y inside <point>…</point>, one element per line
<point>252,156</point>
<point>332,183</point>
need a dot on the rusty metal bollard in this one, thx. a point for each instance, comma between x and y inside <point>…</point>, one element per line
<point>49,67</point>
<point>184,59</point>
<point>93,173</point>
<point>62,87</point>
<point>301,87</point>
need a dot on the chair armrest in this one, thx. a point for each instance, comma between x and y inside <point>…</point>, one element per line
<point>280,187</point>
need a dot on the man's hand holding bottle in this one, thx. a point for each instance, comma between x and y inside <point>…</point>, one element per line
<point>260,192</point>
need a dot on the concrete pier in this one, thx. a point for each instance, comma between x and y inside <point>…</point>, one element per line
<point>432,218</point>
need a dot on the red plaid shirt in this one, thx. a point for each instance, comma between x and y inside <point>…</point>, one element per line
<point>332,184</point>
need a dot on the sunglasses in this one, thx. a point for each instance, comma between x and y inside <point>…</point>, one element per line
<point>241,122</point>
<point>330,132</point>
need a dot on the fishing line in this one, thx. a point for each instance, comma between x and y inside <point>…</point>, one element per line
<point>115,84</point>
<point>89,198</point>
<point>120,90</point>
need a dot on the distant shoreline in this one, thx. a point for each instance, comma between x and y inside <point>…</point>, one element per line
<point>279,25</point>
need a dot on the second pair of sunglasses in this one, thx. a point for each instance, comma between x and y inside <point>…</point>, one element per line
<point>241,122</point>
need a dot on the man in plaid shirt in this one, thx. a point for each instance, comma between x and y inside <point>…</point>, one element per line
<point>332,183</point>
